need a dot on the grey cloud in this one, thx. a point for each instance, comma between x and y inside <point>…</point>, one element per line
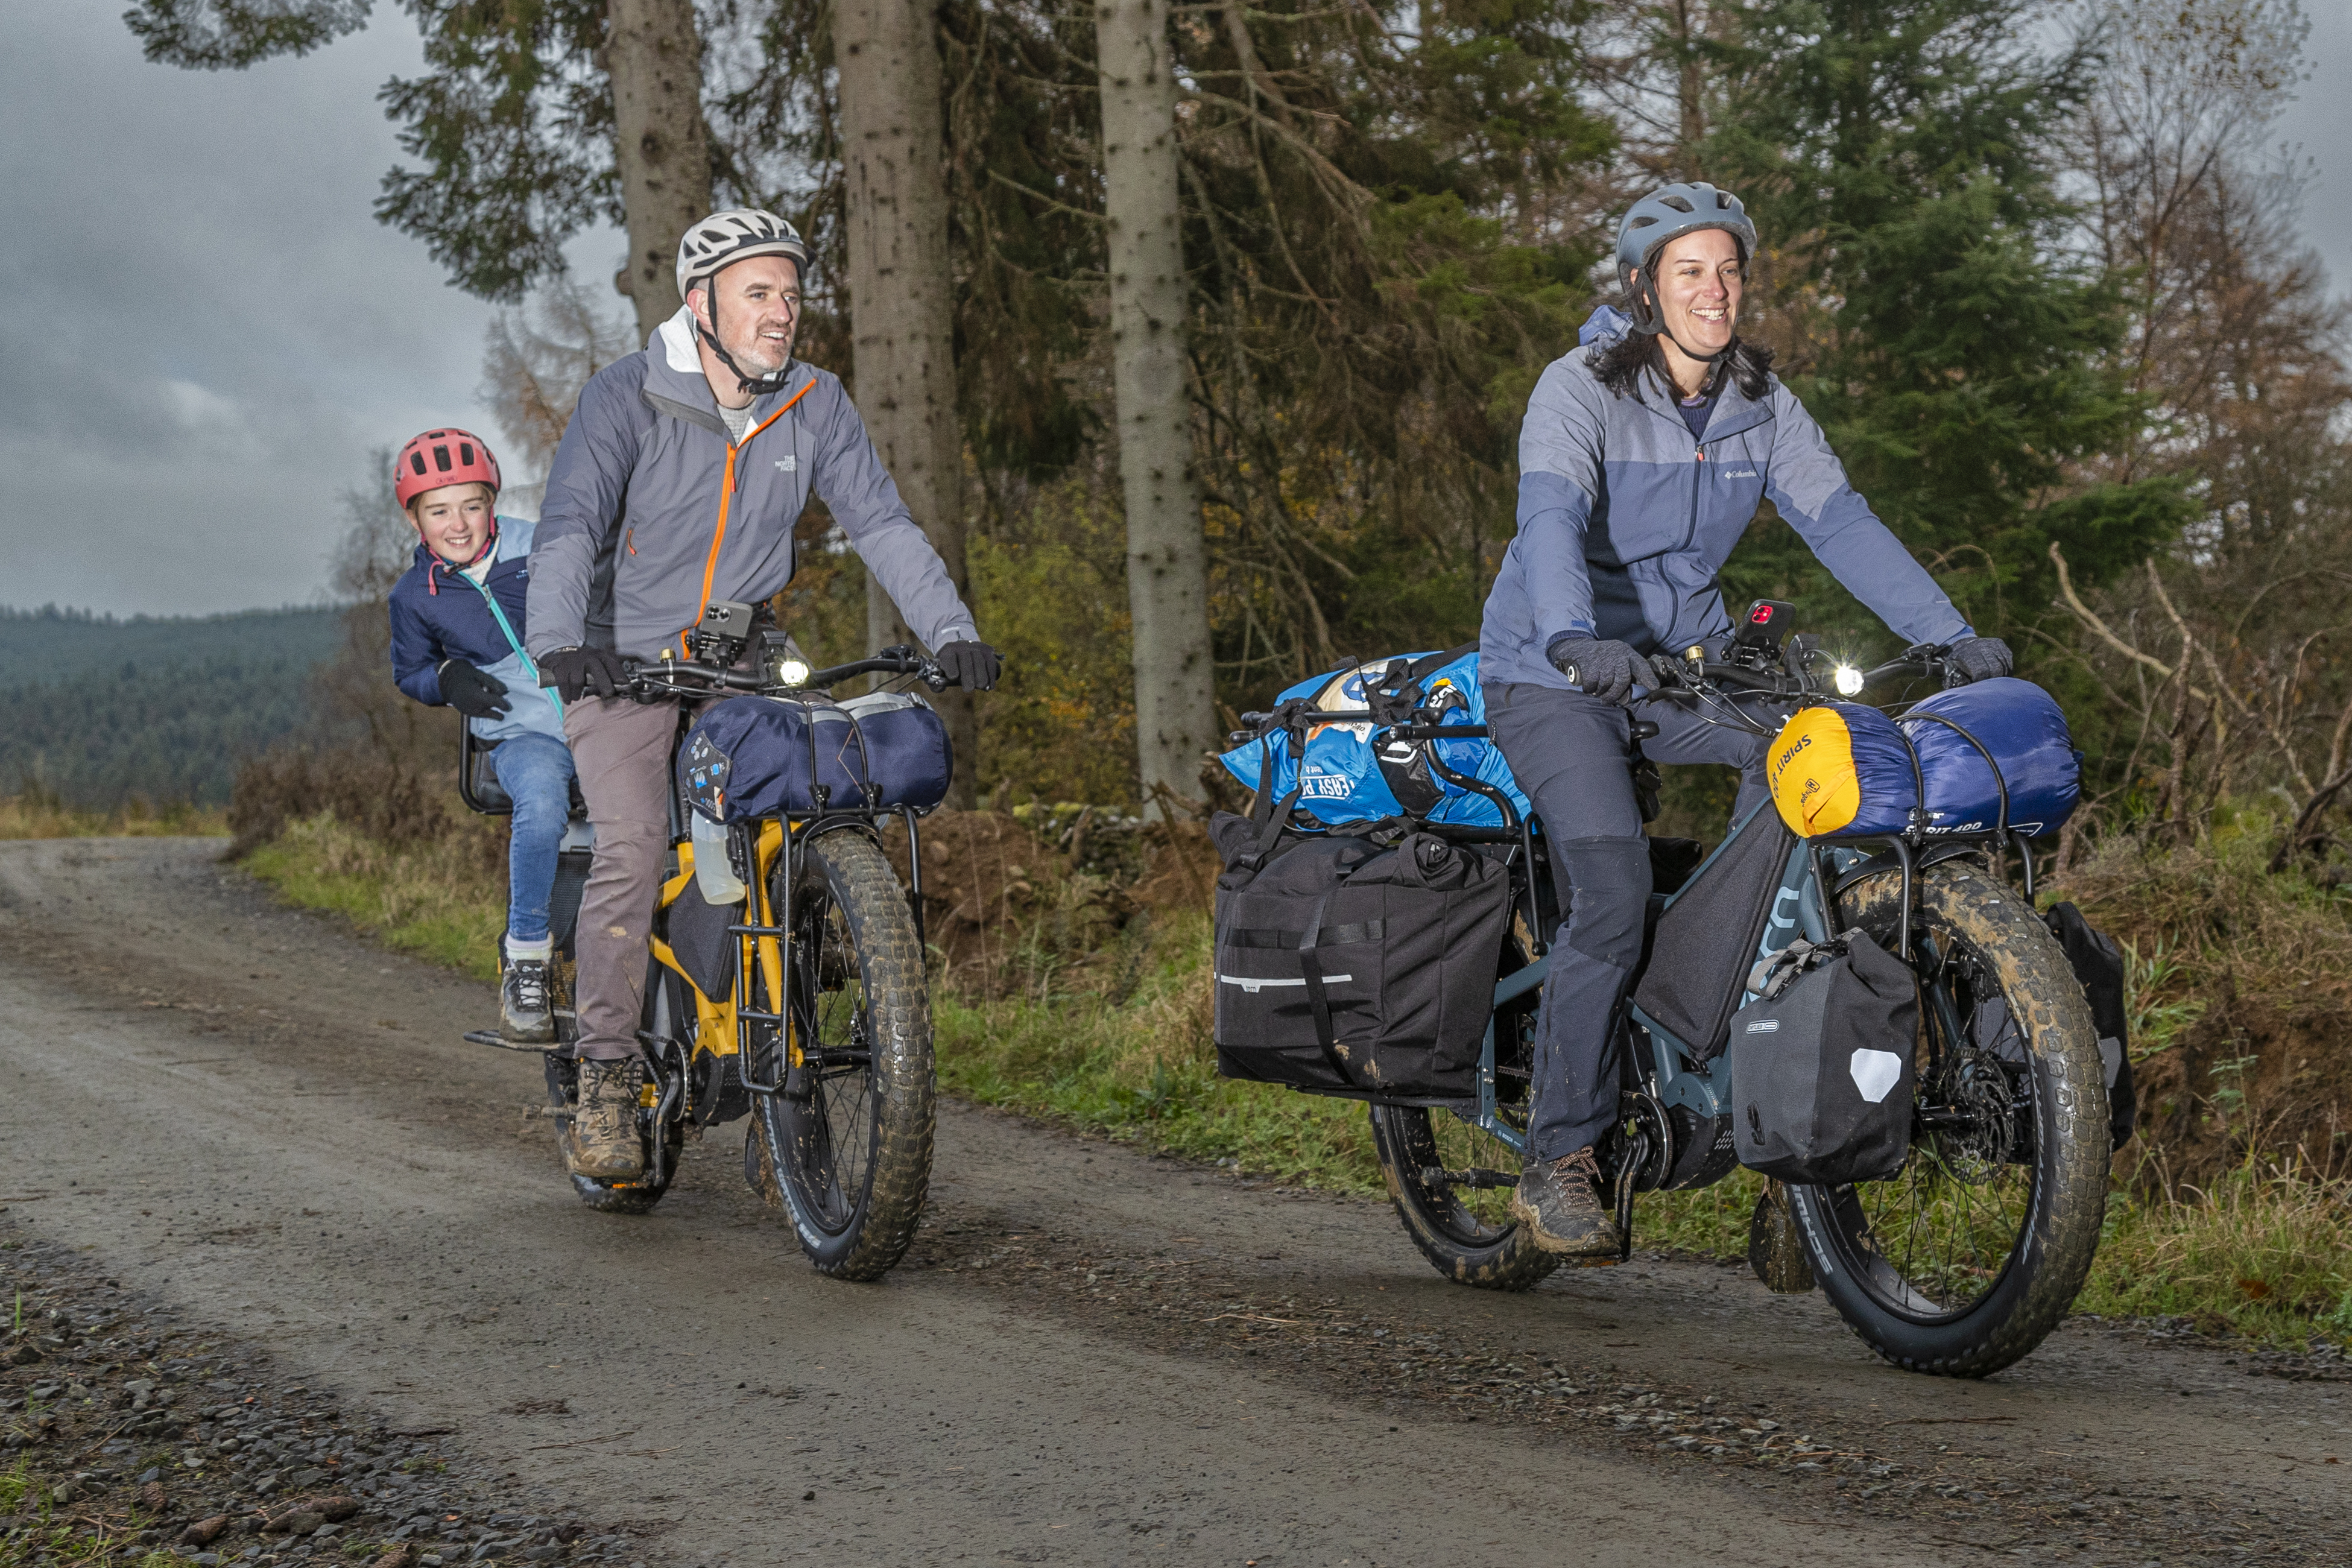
<point>208,331</point>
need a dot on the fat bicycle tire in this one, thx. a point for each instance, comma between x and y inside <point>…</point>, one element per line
<point>1460,1243</point>
<point>851,1157</point>
<point>1975,1303</point>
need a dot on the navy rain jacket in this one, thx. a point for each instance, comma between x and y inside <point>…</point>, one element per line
<point>1625,519</point>
<point>438,613</point>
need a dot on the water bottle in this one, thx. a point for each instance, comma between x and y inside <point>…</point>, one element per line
<point>713,872</point>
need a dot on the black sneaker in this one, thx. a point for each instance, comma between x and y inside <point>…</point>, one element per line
<point>1561,1204</point>
<point>526,1004</point>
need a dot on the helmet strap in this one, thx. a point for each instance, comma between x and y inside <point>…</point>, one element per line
<point>761,387</point>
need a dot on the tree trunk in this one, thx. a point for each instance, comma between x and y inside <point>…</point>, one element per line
<point>1167,558</point>
<point>659,145</point>
<point>901,297</point>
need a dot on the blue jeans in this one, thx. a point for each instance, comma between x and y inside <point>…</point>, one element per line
<point>1573,756</point>
<point>536,772</point>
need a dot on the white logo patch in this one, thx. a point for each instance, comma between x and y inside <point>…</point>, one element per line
<point>1875,1073</point>
<point>788,465</point>
<point>1764,1026</point>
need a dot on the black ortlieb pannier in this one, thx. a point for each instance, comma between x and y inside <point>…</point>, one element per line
<point>1822,1063</point>
<point>2098,963</point>
<point>753,757</point>
<point>1355,961</point>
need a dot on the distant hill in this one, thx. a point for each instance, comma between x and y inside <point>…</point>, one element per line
<point>100,709</point>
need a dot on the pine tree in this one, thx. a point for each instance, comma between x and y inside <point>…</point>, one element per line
<point>1899,158</point>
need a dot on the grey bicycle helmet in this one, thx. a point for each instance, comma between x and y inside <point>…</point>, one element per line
<point>719,241</point>
<point>1672,211</point>
<point>736,234</point>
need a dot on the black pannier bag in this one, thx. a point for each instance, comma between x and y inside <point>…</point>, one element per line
<point>1355,961</point>
<point>753,757</point>
<point>2098,963</point>
<point>1704,943</point>
<point>1823,1063</point>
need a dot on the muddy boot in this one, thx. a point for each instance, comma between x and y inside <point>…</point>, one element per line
<point>526,1004</point>
<point>1562,1205</point>
<point>605,1128</point>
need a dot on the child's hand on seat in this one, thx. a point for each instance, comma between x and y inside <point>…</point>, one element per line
<point>472,692</point>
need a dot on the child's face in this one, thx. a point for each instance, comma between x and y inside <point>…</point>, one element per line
<point>453,521</point>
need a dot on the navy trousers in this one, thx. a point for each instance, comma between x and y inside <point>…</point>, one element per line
<point>1573,756</point>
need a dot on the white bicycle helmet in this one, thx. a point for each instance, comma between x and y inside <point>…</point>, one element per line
<point>736,234</point>
<point>719,242</point>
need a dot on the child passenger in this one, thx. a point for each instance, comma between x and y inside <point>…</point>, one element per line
<point>457,638</point>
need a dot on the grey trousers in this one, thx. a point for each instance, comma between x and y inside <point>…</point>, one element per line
<point>1573,756</point>
<point>622,750</point>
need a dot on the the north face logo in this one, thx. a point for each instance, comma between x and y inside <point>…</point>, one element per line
<point>788,465</point>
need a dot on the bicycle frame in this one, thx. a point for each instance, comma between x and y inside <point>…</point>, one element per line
<point>1799,909</point>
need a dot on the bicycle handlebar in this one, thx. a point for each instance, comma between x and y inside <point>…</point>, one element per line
<point>695,678</point>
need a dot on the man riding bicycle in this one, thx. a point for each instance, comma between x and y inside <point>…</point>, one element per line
<point>1641,461</point>
<point>679,482</point>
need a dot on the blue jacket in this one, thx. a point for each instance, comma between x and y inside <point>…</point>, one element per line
<point>439,614</point>
<point>1625,519</point>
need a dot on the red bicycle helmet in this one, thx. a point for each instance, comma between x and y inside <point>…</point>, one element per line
<point>437,458</point>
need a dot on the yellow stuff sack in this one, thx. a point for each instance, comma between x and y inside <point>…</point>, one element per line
<point>1841,770</point>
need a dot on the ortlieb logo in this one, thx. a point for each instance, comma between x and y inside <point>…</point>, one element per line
<point>1764,1026</point>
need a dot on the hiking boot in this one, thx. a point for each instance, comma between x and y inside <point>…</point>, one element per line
<point>526,1004</point>
<point>604,1129</point>
<point>1561,1204</point>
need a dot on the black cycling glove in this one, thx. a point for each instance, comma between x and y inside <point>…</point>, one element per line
<point>1606,669</point>
<point>574,672</point>
<point>472,692</point>
<point>1979,658</point>
<point>974,666</point>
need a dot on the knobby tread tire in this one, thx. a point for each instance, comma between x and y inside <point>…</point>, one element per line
<point>1511,1262</point>
<point>2072,1138</point>
<point>890,960</point>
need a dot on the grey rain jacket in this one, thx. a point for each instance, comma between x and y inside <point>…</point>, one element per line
<point>645,524</point>
<point>1625,520</point>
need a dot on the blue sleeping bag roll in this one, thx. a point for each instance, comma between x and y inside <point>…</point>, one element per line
<point>1342,777</point>
<point>2025,732</point>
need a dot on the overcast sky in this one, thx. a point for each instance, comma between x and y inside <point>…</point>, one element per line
<point>208,331</point>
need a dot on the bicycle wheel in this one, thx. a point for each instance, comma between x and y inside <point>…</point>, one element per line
<point>849,1142</point>
<point>1451,1180</point>
<point>1972,1254</point>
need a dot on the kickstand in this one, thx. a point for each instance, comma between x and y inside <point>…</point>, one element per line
<point>1626,1209</point>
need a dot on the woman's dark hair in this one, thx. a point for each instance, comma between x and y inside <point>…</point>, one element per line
<point>1619,362</point>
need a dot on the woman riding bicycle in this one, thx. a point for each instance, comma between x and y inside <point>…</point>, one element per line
<point>1641,461</point>
<point>678,483</point>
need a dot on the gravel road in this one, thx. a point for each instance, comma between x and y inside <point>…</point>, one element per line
<point>264,1125</point>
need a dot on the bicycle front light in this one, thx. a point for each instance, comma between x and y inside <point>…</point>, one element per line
<point>790,672</point>
<point>1847,680</point>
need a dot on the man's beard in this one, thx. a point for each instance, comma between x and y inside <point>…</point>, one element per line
<point>763,356</point>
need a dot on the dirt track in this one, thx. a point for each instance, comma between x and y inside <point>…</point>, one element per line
<point>1093,1357</point>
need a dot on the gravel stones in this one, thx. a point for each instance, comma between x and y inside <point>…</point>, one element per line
<point>137,1433</point>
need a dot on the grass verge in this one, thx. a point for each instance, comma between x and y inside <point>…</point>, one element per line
<point>444,900</point>
<point>2262,1251</point>
<point>39,815</point>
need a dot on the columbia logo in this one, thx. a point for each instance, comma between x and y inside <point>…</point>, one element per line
<point>1739,474</point>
